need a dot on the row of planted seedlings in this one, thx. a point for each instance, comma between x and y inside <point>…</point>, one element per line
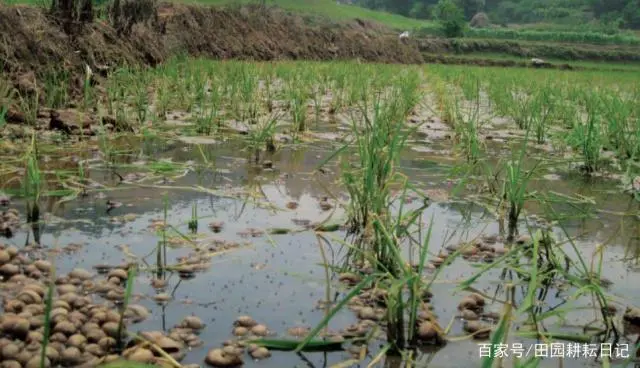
<point>534,266</point>
<point>303,94</point>
<point>504,189</point>
<point>584,112</point>
<point>387,292</point>
<point>472,101</point>
<point>201,97</point>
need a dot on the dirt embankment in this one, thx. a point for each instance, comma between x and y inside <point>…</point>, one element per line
<point>551,50</point>
<point>33,44</point>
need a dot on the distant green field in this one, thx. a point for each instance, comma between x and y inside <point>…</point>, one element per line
<point>333,10</point>
<point>601,65</point>
<point>626,38</point>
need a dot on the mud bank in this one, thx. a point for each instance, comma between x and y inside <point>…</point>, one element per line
<point>550,50</point>
<point>34,45</point>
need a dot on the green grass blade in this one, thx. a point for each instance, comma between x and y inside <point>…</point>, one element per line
<point>499,336</point>
<point>533,282</point>
<point>291,345</point>
<point>126,364</point>
<point>333,312</point>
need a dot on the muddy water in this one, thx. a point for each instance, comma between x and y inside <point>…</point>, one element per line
<point>279,279</point>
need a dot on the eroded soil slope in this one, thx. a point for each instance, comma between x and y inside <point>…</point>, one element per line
<point>33,44</point>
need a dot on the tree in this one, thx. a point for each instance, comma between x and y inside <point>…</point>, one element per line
<point>451,18</point>
<point>420,10</point>
<point>471,7</point>
<point>631,14</point>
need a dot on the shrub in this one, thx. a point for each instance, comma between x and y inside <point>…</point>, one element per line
<point>72,13</point>
<point>480,20</point>
<point>451,18</point>
<point>420,11</point>
<point>123,14</point>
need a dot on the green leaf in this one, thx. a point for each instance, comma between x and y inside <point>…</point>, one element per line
<point>125,364</point>
<point>290,345</point>
<point>499,336</point>
<point>533,282</point>
<point>279,231</point>
<point>355,291</point>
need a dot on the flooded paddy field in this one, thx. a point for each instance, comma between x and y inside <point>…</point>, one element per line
<point>322,215</point>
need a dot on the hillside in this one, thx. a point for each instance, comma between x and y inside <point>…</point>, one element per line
<point>333,10</point>
<point>583,14</point>
<point>574,21</point>
<point>37,46</point>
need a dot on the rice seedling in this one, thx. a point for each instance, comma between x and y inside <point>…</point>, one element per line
<point>200,91</point>
<point>586,136</point>
<point>141,103</point>
<point>318,93</point>
<point>46,334</point>
<point>297,96</point>
<point>131,275</point>
<point>337,90</point>
<point>30,105</point>
<point>32,185</point>
<point>378,234</point>
<point>162,98</point>
<point>7,94</point>
<point>470,85</point>
<point>161,245</point>
<point>621,130</point>
<point>467,125</point>
<point>207,119</point>
<point>56,89</point>
<point>542,110</point>
<point>268,90</point>
<point>379,141</point>
<point>262,135</point>
<point>514,191</point>
<point>446,102</point>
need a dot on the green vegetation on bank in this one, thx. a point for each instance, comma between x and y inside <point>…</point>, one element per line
<point>591,37</point>
<point>478,57</point>
<point>436,24</point>
<point>609,14</point>
<point>331,9</point>
<point>592,33</point>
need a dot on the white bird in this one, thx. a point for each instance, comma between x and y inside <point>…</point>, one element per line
<point>404,34</point>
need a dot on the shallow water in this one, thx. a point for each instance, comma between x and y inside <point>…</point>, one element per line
<point>279,279</point>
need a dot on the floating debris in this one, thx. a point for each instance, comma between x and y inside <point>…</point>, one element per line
<point>216,226</point>
<point>245,321</point>
<point>632,315</point>
<point>325,205</point>
<point>9,222</point>
<point>479,329</point>
<point>260,353</point>
<point>298,331</point>
<point>292,205</point>
<point>221,358</point>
